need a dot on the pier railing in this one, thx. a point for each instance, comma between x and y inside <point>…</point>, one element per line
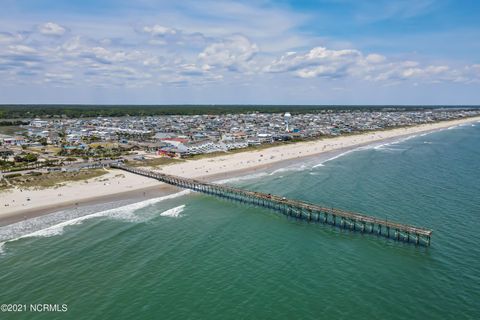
<point>296,208</point>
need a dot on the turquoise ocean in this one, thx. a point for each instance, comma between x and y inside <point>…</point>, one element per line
<point>192,256</point>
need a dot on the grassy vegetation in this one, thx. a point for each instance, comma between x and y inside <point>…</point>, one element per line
<point>48,180</point>
<point>10,130</point>
<point>106,145</point>
<point>50,149</point>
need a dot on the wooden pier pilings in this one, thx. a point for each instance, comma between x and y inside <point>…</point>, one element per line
<point>295,208</point>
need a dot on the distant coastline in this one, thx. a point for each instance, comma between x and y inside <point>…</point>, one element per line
<point>113,187</point>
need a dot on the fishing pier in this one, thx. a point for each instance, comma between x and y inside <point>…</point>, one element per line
<point>295,208</point>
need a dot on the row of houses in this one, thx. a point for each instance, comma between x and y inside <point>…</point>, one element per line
<point>178,135</point>
<point>179,149</point>
<point>13,141</point>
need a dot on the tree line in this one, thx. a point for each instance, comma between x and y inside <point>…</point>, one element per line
<point>81,111</point>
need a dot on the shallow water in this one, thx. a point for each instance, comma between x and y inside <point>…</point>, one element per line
<point>194,256</point>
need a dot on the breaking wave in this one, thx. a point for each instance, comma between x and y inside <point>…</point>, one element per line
<point>301,167</point>
<point>241,178</point>
<point>125,213</point>
<point>322,164</point>
<point>174,212</point>
<point>384,145</point>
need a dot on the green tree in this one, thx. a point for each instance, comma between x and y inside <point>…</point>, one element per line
<point>43,141</point>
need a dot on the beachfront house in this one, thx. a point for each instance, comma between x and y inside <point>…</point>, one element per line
<point>173,152</point>
<point>236,145</point>
<point>206,147</point>
<point>38,123</point>
<point>14,141</point>
<point>264,137</point>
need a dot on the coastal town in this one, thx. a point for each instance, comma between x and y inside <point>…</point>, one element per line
<point>239,159</point>
<point>61,143</point>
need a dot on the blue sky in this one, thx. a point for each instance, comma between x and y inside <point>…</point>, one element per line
<point>246,52</point>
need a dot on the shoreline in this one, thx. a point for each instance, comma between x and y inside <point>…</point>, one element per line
<point>133,195</point>
<point>136,188</point>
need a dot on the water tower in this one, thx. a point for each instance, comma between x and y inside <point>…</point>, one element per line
<point>287,120</point>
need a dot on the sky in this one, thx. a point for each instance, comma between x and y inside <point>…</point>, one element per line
<point>321,52</point>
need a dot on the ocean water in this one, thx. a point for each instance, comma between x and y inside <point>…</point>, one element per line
<point>191,256</point>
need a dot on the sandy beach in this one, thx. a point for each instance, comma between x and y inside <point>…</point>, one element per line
<point>16,204</point>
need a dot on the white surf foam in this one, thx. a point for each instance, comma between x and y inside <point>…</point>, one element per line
<point>241,178</point>
<point>289,168</point>
<point>374,146</point>
<point>174,212</point>
<point>322,164</point>
<point>125,213</point>
<point>392,143</point>
<point>58,228</point>
<point>462,125</point>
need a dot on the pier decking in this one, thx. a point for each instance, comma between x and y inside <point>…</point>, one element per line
<point>299,209</point>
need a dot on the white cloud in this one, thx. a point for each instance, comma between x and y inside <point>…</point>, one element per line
<point>6,37</point>
<point>151,61</point>
<point>109,56</point>
<point>179,57</point>
<point>58,77</point>
<point>232,53</point>
<point>317,72</point>
<point>72,44</point>
<point>406,70</point>
<point>52,29</point>
<point>332,64</point>
<point>172,38</point>
<point>21,49</point>
<point>319,61</point>
<point>375,58</point>
<point>158,30</point>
